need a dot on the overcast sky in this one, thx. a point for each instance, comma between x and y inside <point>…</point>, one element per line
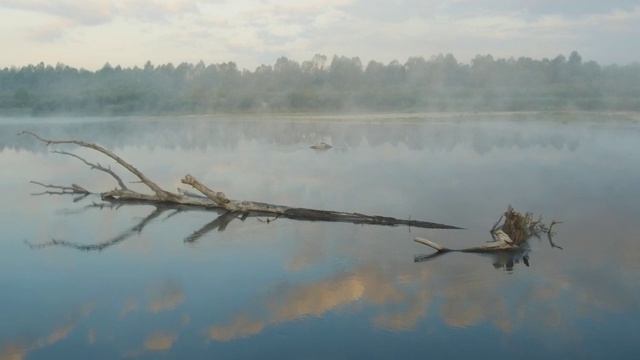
<point>89,33</point>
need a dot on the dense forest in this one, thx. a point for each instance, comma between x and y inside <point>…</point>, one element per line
<point>342,84</point>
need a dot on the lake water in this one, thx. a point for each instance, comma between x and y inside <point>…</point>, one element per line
<point>312,290</point>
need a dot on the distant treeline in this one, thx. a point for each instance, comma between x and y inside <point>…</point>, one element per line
<point>319,85</point>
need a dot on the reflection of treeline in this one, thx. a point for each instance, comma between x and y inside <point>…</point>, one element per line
<point>438,84</point>
<point>203,133</point>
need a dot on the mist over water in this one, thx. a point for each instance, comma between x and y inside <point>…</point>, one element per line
<point>341,84</point>
<point>292,289</point>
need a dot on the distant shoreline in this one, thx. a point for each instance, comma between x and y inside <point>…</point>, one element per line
<point>340,116</point>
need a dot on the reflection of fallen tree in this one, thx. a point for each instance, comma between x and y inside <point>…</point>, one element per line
<point>137,229</point>
<point>233,209</point>
<point>510,240</point>
<point>220,223</point>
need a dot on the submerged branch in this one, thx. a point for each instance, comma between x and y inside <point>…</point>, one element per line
<point>502,242</point>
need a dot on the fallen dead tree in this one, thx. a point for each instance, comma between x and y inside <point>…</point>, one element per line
<point>510,234</point>
<point>209,197</point>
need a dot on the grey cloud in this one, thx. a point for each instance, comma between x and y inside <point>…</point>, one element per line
<point>573,8</point>
<point>49,33</point>
<point>104,11</point>
<point>396,11</point>
<point>156,11</point>
<point>86,13</point>
<point>536,8</point>
<point>402,10</point>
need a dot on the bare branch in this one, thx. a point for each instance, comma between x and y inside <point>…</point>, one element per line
<point>97,167</point>
<point>73,189</point>
<point>160,193</point>
<point>495,226</point>
<point>217,197</point>
<point>214,199</point>
<point>431,244</point>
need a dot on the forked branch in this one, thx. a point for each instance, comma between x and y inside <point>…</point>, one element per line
<point>160,193</point>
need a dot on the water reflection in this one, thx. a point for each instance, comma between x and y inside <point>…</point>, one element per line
<point>441,135</point>
<point>401,296</point>
<point>504,259</point>
<point>136,229</point>
<point>184,289</point>
<point>19,348</point>
<point>220,222</point>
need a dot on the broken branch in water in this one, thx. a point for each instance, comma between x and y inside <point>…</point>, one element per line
<point>219,200</point>
<point>510,233</point>
<point>502,242</point>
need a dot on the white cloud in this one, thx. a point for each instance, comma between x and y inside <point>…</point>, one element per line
<point>252,32</point>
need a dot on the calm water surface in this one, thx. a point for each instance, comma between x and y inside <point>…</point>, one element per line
<point>138,281</point>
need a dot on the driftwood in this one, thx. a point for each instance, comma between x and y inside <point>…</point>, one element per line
<point>510,235</point>
<point>321,146</point>
<point>211,198</point>
<point>502,242</point>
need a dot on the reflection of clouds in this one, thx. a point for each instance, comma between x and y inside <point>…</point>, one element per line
<point>127,308</point>
<point>60,333</point>
<point>186,319</point>
<point>91,336</point>
<point>18,349</point>
<point>166,297</point>
<point>316,299</point>
<point>239,327</point>
<point>462,310</point>
<point>310,253</point>
<point>595,288</point>
<point>417,308</point>
<point>159,341</point>
<point>465,303</point>
<point>404,295</point>
<point>367,283</point>
<point>14,351</point>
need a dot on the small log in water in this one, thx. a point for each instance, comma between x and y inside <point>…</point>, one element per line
<point>502,242</point>
<point>510,234</point>
<point>431,244</point>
